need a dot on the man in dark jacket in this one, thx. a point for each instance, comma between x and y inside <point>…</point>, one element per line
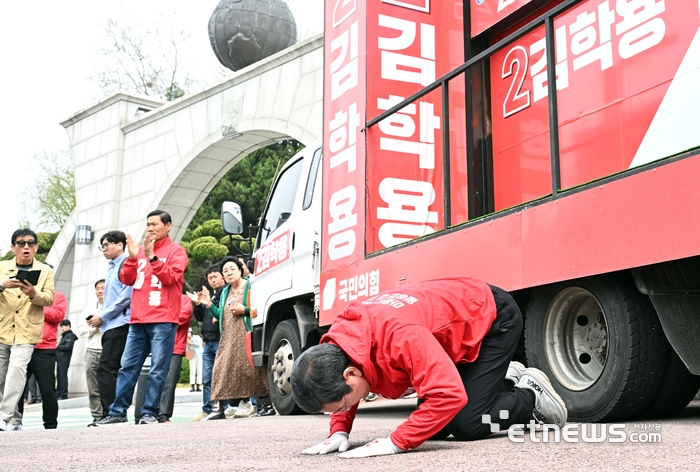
<point>64,351</point>
<point>210,336</point>
<point>451,340</point>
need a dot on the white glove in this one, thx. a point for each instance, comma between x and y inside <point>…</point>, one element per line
<point>337,442</point>
<point>378,447</point>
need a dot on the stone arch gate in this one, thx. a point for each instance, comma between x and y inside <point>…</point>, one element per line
<point>133,154</point>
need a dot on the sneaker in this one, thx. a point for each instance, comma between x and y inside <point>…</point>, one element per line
<point>514,372</point>
<point>230,411</point>
<point>549,407</point>
<point>4,426</point>
<point>111,420</point>
<point>371,397</point>
<point>266,411</point>
<point>245,409</point>
<point>15,427</point>
<point>214,415</point>
<point>93,424</point>
<point>200,416</point>
<point>148,419</point>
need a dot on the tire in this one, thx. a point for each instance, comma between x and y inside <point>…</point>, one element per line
<point>677,389</point>
<point>600,343</point>
<point>285,347</point>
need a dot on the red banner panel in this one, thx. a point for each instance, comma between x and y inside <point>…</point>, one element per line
<point>410,43</point>
<point>624,73</point>
<point>343,139</point>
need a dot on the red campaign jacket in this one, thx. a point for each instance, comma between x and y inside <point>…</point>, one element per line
<point>416,341</point>
<point>183,326</point>
<point>53,315</point>
<point>158,299</point>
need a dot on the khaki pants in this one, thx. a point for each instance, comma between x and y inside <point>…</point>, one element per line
<point>92,360</point>
<point>13,377</point>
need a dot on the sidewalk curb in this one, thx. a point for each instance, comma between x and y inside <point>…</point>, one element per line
<point>182,395</point>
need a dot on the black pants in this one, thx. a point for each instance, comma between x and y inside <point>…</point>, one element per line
<point>113,342</point>
<point>42,365</point>
<point>62,380</point>
<point>167,398</point>
<point>483,379</point>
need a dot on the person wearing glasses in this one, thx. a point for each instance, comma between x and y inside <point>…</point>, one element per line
<point>450,340</point>
<point>21,321</point>
<point>112,319</point>
<point>156,272</point>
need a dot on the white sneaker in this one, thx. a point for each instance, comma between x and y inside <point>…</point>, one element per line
<point>244,410</point>
<point>4,426</point>
<point>549,407</point>
<point>15,427</point>
<point>230,411</point>
<point>514,372</point>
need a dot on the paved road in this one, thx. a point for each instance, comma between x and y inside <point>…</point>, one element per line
<point>273,443</point>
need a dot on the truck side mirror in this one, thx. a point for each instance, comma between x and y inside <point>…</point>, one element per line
<point>282,219</point>
<point>251,265</point>
<point>231,218</point>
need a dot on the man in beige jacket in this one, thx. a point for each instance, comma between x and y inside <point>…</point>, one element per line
<point>21,319</point>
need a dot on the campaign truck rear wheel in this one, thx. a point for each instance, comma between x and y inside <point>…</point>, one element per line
<point>601,344</point>
<point>285,347</point>
<point>677,388</point>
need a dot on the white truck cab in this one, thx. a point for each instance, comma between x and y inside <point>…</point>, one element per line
<point>285,279</point>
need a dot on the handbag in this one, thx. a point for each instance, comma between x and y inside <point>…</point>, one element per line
<point>189,355</point>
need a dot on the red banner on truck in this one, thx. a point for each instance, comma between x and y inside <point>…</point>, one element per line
<point>409,45</point>
<point>624,68</point>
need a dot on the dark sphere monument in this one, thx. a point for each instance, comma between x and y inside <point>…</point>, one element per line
<point>242,32</point>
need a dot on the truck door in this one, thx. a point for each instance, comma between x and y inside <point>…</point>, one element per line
<point>275,242</point>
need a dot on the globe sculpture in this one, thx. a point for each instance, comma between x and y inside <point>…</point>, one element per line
<point>242,32</point>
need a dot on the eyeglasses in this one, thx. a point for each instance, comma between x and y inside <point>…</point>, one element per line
<point>30,243</point>
<point>105,245</point>
<point>345,406</point>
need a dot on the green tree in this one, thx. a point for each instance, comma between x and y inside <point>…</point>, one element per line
<point>52,196</point>
<point>143,59</point>
<point>247,183</point>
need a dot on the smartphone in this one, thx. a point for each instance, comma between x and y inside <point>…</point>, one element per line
<point>89,317</point>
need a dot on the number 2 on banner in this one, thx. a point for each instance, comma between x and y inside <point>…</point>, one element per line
<point>521,100</point>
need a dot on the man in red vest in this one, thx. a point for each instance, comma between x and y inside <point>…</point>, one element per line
<point>156,272</point>
<point>450,340</point>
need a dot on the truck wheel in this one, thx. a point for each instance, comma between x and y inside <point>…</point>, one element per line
<point>601,344</point>
<point>284,348</point>
<point>677,389</point>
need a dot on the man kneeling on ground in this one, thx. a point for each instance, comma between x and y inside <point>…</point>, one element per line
<point>451,340</point>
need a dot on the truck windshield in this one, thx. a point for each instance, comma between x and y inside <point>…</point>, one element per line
<point>282,201</point>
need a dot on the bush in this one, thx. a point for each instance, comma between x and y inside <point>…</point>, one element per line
<point>185,372</point>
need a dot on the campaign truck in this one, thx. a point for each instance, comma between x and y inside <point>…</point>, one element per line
<point>551,148</point>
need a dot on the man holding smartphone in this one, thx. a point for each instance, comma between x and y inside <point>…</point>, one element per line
<point>21,321</point>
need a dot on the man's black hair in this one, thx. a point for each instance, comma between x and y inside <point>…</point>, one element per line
<point>164,216</point>
<point>114,237</point>
<point>101,281</point>
<point>23,232</point>
<point>65,322</point>
<point>211,269</point>
<point>317,377</point>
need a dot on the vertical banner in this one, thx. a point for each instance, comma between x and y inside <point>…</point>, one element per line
<point>342,240</point>
<point>343,139</point>
<point>410,43</point>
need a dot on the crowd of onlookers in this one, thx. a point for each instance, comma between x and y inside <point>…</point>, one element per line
<point>141,311</point>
